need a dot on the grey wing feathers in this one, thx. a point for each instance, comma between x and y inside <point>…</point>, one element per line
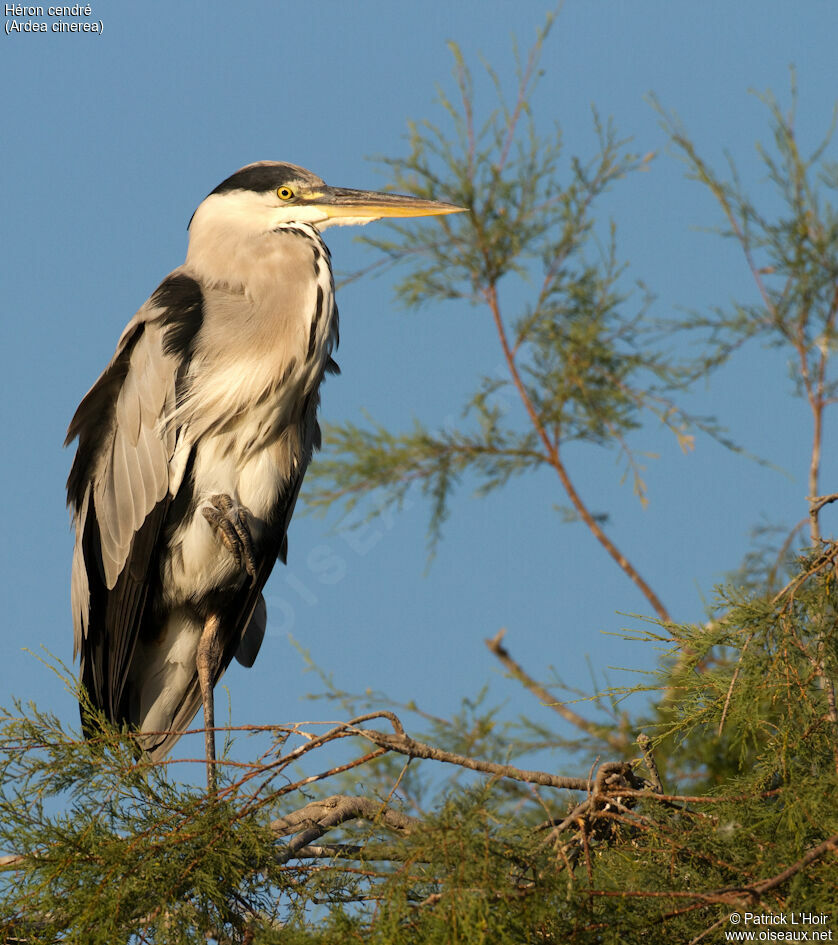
<point>133,473</point>
<point>118,489</point>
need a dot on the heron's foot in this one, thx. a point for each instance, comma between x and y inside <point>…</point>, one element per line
<point>232,523</point>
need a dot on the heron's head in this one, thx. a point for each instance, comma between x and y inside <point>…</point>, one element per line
<point>267,194</point>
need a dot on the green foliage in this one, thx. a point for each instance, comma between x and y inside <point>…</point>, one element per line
<point>131,855</point>
<point>108,845</point>
<point>585,360</point>
<point>791,251</point>
<point>759,680</point>
<point>363,458</point>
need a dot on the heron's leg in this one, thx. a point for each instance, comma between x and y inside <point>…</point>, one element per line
<point>232,522</point>
<point>207,659</point>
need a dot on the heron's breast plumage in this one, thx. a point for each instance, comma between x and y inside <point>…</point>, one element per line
<point>244,407</point>
<point>264,341</point>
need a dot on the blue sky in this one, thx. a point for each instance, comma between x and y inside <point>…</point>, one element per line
<point>111,141</point>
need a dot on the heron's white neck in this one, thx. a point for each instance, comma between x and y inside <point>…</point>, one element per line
<point>224,236</point>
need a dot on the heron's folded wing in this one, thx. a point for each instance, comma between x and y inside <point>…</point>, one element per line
<point>120,487</point>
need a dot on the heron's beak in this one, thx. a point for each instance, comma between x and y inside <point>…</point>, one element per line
<point>363,206</point>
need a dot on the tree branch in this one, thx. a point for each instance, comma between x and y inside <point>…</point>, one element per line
<point>405,745</point>
<point>618,743</point>
<point>309,823</point>
<point>491,296</point>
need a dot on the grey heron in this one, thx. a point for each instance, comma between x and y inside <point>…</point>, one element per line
<point>193,444</point>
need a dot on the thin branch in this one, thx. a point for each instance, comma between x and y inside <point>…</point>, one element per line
<point>645,745</point>
<point>698,798</point>
<point>707,931</point>
<point>815,853</point>
<point>819,501</point>
<point>405,745</point>
<point>496,647</point>
<point>826,557</point>
<point>349,851</point>
<point>336,809</point>
<point>733,681</point>
<point>491,297</point>
<point>342,730</point>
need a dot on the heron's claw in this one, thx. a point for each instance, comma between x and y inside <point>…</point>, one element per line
<point>232,522</point>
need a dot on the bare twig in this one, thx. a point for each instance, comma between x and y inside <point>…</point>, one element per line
<point>817,502</point>
<point>766,885</point>
<point>496,646</point>
<point>645,745</point>
<point>368,852</point>
<point>342,730</point>
<point>707,931</point>
<point>336,809</point>
<point>826,557</point>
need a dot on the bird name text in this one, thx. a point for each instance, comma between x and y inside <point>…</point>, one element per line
<point>16,12</point>
<point>77,9</point>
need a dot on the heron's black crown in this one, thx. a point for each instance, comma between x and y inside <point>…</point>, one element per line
<point>264,176</point>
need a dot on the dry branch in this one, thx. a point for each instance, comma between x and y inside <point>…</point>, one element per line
<point>614,780</point>
<point>645,745</point>
<point>309,823</point>
<point>515,669</point>
<point>405,745</point>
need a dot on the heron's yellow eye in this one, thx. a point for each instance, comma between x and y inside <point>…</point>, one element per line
<point>284,193</point>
